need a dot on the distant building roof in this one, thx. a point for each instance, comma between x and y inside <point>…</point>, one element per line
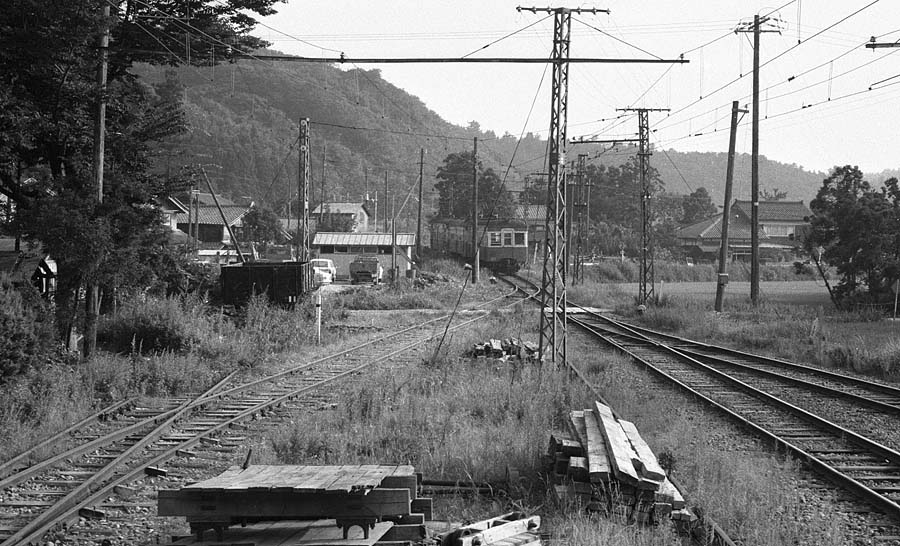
<point>711,228</point>
<point>362,239</point>
<point>210,215</point>
<point>776,211</point>
<point>207,200</point>
<point>340,208</point>
<point>170,204</point>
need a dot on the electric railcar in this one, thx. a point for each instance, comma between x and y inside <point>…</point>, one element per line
<point>503,243</point>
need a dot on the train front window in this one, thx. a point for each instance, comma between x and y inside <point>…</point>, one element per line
<point>520,238</point>
<point>507,238</point>
<point>494,239</point>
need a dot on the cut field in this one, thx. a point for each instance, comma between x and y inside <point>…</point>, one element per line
<point>809,293</point>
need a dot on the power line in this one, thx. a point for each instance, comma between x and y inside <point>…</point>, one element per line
<point>617,39</point>
<point>505,37</point>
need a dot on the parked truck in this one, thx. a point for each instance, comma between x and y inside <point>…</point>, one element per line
<point>366,269</point>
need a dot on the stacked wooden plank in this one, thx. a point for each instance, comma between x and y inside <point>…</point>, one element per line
<point>352,495</point>
<point>603,464</point>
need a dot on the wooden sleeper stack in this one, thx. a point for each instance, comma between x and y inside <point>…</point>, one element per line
<point>603,464</point>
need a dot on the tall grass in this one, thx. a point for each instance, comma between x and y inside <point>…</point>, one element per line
<point>667,271</point>
<point>468,420</point>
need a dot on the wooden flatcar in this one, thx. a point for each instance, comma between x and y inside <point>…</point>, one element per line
<point>503,243</point>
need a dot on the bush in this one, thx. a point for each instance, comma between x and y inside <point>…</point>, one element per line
<point>26,330</point>
<point>152,326</point>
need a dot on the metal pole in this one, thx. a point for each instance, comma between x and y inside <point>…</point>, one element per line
<point>754,173</point>
<point>475,257</point>
<point>318,318</point>
<point>303,193</point>
<point>553,281</point>
<point>726,210</point>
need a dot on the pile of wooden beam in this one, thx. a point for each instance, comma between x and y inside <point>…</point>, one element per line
<point>505,348</point>
<point>603,464</point>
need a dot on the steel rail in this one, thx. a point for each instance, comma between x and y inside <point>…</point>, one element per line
<point>719,536</point>
<point>114,436</point>
<point>24,534</point>
<point>38,528</point>
<point>638,335</point>
<point>856,381</point>
<point>876,499</point>
<point>9,466</point>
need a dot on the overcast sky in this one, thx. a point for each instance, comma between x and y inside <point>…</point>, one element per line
<point>817,109</point>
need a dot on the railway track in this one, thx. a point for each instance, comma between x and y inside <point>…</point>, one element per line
<point>88,474</point>
<point>838,425</point>
<point>865,407</point>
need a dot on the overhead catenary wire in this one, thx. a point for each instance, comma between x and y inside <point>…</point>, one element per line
<point>505,37</point>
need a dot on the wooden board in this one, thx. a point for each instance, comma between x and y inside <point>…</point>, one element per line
<point>599,468</point>
<point>283,533</point>
<point>576,427</point>
<point>303,479</point>
<point>563,443</point>
<point>646,460</point>
<point>669,491</point>
<point>497,531</point>
<point>578,469</point>
<point>221,505</point>
<point>618,446</point>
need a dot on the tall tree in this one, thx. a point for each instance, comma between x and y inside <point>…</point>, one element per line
<point>858,229</point>
<point>697,206</point>
<point>454,187</point>
<point>48,63</point>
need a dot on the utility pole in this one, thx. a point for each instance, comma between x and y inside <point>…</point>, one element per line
<point>475,257</point>
<point>580,198</point>
<point>419,216</point>
<point>303,194</point>
<point>385,211</point>
<point>755,28</point>
<point>726,210</point>
<point>322,202</point>
<point>553,279</point>
<point>92,299</point>
<point>646,281</point>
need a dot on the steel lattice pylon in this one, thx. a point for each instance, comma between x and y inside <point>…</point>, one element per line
<point>580,197</point>
<point>553,283</point>
<point>645,288</point>
<point>303,193</point>
<point>646,281</point>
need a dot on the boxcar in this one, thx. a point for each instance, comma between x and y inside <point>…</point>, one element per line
<point>281,282</point>
<point>503,243</point>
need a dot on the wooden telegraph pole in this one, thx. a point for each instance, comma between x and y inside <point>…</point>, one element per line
<point>726,210</point>
<point>419,215</point>
<point>92,299</point>
<point>756,29</point>
<point>475,256</point>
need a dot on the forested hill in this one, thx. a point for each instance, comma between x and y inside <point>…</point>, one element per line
<point>707,169</point>
<point>243,123</point>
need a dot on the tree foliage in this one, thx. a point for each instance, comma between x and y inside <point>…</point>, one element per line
<point>857,229</point>
<point>697,206</point>
<point>48,98</point>
<point>454,188</point>
<point>262,226</point>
